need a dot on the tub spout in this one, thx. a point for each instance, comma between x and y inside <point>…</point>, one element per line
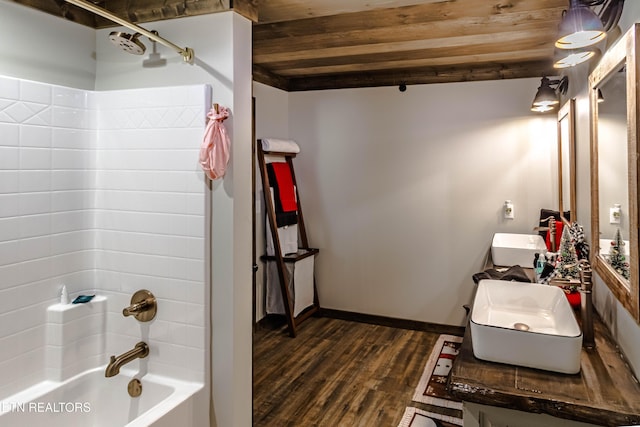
<point>141,350</point>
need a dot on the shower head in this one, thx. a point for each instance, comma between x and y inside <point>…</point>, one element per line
<point>127,42</point>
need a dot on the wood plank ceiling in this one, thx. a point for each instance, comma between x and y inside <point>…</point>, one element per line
<point>308,45</point>
<point>327,44</point>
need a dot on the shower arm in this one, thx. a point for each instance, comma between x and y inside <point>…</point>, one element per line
<point>188,55</point>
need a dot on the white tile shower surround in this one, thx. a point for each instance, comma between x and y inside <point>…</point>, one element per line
<point>101,191</point>
<point>75,338</point>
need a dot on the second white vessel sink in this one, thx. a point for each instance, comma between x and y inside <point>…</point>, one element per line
<point>525,324</point>
<point>605,247</point>
<point>508,249</point>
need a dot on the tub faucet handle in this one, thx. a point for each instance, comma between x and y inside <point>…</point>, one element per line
<point>143,306</point>
<point>135,308</point>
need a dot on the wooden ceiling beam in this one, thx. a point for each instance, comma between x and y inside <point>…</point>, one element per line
<point>411,45</point>
<point>264,76</point>
<point>427,75</point>
<point>468,26</point>
<point>246,8</point>
<point>282,10</point>
<point>428,36</point>
<point>515,48</point>
<point>452,61</point>
<point>405,16</point>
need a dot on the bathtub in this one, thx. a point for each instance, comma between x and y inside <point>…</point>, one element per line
<point>91,399</point>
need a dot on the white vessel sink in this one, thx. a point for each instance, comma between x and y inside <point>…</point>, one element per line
<point>525,324</point>
<point>509,249</point>
<point>605,247</point>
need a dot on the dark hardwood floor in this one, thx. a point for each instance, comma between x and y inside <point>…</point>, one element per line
<point>338,373</point>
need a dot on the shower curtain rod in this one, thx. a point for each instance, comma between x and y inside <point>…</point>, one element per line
<point>188,55</point>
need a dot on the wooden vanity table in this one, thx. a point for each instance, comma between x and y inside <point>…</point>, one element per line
<point>605,392</point>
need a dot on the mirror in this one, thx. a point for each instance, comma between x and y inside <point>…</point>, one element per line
<point>567,161</point>
<point>614,171</point>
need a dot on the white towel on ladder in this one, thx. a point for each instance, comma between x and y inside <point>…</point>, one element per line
<point>300,286</point>
<point>303,285</point>
<point>280,145</point>
<point>288,236</point>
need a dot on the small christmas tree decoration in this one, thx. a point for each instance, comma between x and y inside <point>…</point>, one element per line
<point>567,266</point>
<point>617,259</point>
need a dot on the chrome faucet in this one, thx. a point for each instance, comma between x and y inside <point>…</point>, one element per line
<point>140,351</point>
<point>586,305</point>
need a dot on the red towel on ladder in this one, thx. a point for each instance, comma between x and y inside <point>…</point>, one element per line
<point>286,190</point>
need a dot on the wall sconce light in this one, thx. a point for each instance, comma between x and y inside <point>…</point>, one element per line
<point>547,98</point>
<point>580,27</point>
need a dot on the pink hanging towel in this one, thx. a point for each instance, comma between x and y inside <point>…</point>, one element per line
<point>214,151</point>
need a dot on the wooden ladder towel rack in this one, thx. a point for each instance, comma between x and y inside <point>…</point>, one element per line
<point>304,250</point>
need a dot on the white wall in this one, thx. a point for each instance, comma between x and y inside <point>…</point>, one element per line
<point>41,47</point>
<point>403,191</point>
<point>232,252</point>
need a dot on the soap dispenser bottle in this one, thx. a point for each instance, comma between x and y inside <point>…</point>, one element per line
<point>540,264</point>
<point>64,295</point>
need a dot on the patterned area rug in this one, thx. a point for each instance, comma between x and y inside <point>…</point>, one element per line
<point>414,417</point>
<point>432,388</point>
